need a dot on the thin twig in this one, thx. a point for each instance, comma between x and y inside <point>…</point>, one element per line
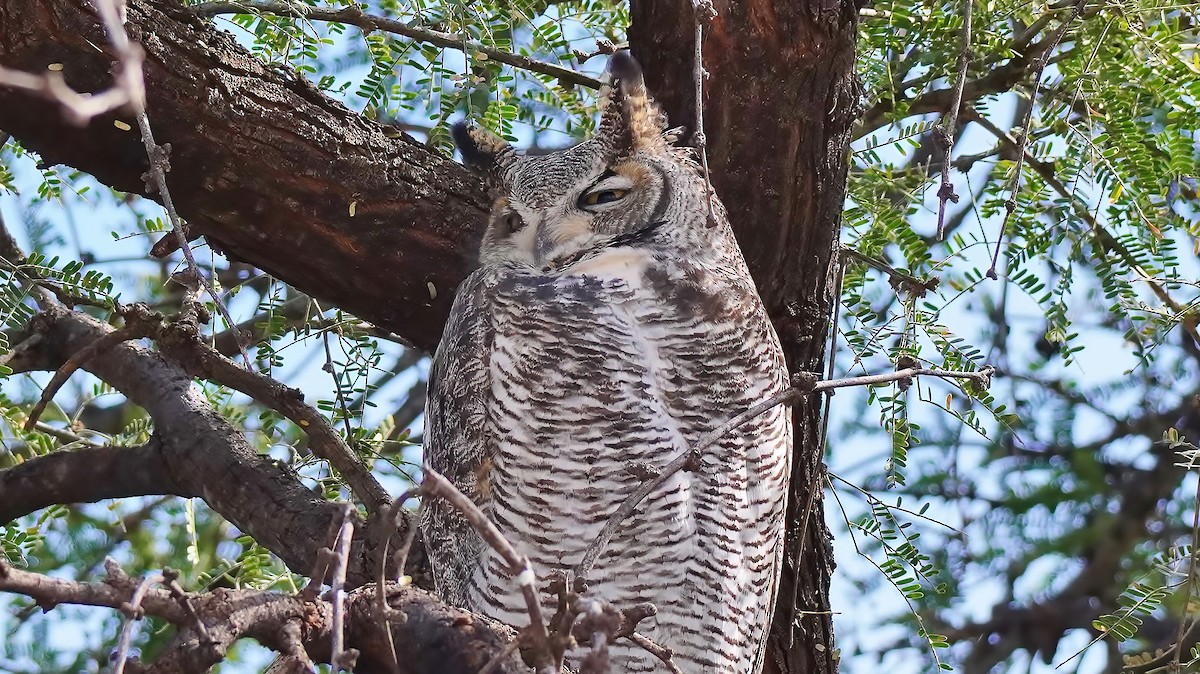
<point>132,611</point>
<point>1190,588</point>
<point>998,78</point>
<point>1010,205</point>
<point>65,436</point>
<point>129,60</point>
<point>900,281</point>
<point>49,591</point>
<point>129,78</point>
<point>599,621</point>
<point>564,617</point>
<point>339,659</point>
<point>663,653</point>
<point>802,538</point>
<point>13,260</point>
<point>982,377</point>
<point>804,386</point>
<point>389,519</point>
<point>76,361</point>
<point>437,486</point>
<point>337,390</point>
<point>320,571</point>
<point>171,578</point>
<point>702,11</point>
<point>831,357</point>
<point>354,16</point>
<point>500,657</point>
<point>945,135</point>
<point>181,338</point>
<point>1110,243</point>
<point>158,167</point>
<point>584,567</point>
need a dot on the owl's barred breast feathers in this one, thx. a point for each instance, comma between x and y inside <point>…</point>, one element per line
<point>608,329</point>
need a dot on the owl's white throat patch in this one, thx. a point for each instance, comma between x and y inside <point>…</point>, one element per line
<point>621,262</point>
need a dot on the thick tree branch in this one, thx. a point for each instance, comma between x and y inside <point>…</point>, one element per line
<point>202,454</point>
<point>262,164</point>
<point>182,340</point>
<point>85,476</point>
<point>433,639</point>
<point>48,592</point>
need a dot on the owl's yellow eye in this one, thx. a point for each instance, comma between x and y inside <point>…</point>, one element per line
<point>604,197</point>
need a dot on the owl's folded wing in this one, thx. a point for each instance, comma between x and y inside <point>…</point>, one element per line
<point>455,437</point>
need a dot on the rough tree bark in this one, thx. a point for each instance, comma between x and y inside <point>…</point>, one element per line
<point>268,169</point>
<point>779,107</point>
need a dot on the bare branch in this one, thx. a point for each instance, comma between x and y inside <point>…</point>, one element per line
<point>945,135</point>
<point>1039,66</point>
<point>158,169</point>
<point>601,621</point>
<point>418,212</point>
<point>132,611</point>
<point>702,12</point>
<point>437,486</point>
<point>294,312</point>
<point>49,592</point>
<point>354,16</point>
<point>1106,239</point>
<point>79,109</point>
<point>690,457</point>
<point>129,58</point>
<point>182,340</point>
<point>215,620</point>
<point>388,521</point>
<point>339,657</point>
<point>171,579</point>
<point>998,78</point>
<point>324,556</point>
<point>202,454</point>
<point>499,658</point>
<point>900,281</point>
<point>337,389</point>
<point>982,378</point>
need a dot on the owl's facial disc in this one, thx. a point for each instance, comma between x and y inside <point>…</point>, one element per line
<point>591,210</point>
<point>557,205</point>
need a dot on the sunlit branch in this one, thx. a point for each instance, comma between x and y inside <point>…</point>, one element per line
<point>354,16</point>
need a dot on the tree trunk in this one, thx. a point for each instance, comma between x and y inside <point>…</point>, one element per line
<point>779,105</point>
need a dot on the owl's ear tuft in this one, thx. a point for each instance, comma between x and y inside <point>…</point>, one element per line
<point>481,148</point>
<point>629,112</point>
<point>625,70</point>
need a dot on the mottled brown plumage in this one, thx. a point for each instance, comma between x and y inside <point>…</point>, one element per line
<point>610,327</point>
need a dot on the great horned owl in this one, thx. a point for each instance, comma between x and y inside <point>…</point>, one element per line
<point>612,324</point>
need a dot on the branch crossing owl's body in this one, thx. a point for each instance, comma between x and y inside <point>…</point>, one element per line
<point>611,326</point>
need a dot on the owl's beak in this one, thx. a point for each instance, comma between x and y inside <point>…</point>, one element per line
<point>544,242</point>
